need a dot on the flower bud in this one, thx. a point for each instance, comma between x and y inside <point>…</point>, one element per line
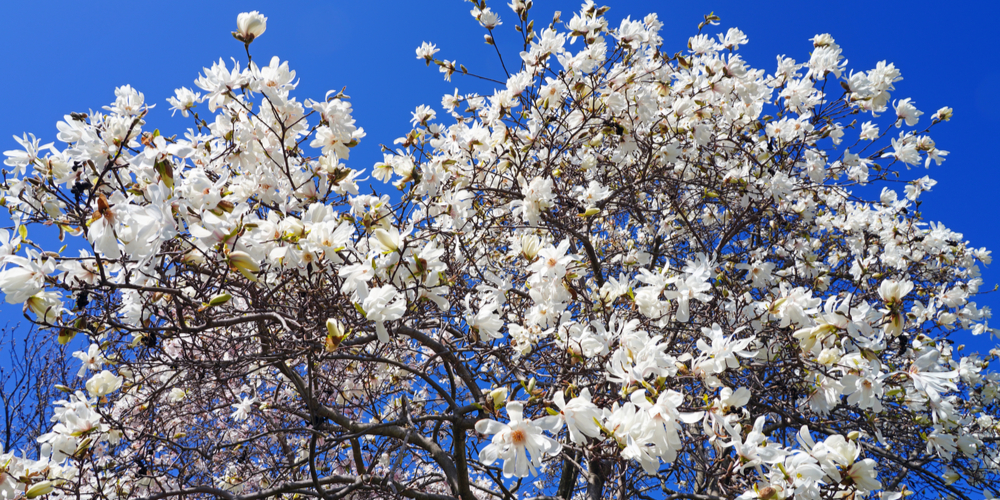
<point>39,489</point>
<point>193,258</point>
<point>950,477</point>
<point>389,241</point>
<point>217,300</point>
<point>176,395</point>
<point>828,356</point>
<point>944,114</point>
<point>250,25</point>
<point>530,246</point>
<point>245,264</point>
<point>767,493</point>
<point>499,397</point>
<point>334,334</point>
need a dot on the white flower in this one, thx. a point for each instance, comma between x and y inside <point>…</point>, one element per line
<point>869,131</point>
<point>184,100</point>
<point>47,306</point>
<point>176,395</point>
<point>243,408</point>
<point>426,52</point>
<point>22,158</point>
<point>864,475</point>
<point>245,264</point>
<point>104,383</point>
<point>721,354</point>
<point>250,25</point>
<point>92,359</point>
<point>389,240</point>
<point>513,442</point>
<point>580,415</point>
<point>486,321</point>
<point>487,18</point>
<point>551,263</point>
<point>892,293</point>
<point>906,112</point>
<point>383,304</point>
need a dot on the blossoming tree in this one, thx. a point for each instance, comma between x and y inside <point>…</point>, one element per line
<point>626,273</point>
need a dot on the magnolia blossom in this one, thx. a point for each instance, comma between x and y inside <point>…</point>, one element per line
<point>383,304</point>
<point>515,441</point>
<point>47,306</point>
<point>92,360</point>
<point>487,18</point>
<point>892,293</point>
<point>242,408</point>
<point>426,51</point>
<point>104,383</point>
<point>250,25</point>
<point>722,353</point>
<point>581,416</point>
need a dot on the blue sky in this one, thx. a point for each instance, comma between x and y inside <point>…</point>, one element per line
<point>60,57</point>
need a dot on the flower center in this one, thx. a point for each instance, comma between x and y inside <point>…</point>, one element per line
<point>518,436</point>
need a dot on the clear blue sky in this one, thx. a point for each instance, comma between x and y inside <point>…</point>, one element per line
<point>65,56</point>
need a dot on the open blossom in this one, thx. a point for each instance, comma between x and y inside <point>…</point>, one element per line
<point>383,304</point>
<point>22,158</point>
<point>104,383</point>
<point>721,354</point>
<point>92,360</point>
<point>869,131</point>
<point>892,293</point>
<point>242,409</point>
<point>219,82</point>
<point>128,101</point>
<point>25,278</point>
<point>487,18</point>
<point>759,273</point>
<point>183,101</point>
<point>580,415</point>
<point>513,442</point>
<point>693,286</point>
<point>426,52</point>
<point>552,262</point>
<point>754,449</point>
<point>907,112</point>
<point>422,115</point>
<point>486,321</point>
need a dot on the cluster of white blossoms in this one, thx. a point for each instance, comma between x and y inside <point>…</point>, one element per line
<point>653,262</point>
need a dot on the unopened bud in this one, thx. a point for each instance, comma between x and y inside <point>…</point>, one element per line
<point>530,246</point>
<point>767,493</point>
<point>42,488</point>
<point>245,264</point>
<point>334,334</point>
<point>388,242</point>
<point>499,396</point>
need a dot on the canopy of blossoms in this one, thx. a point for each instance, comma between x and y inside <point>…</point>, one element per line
<point>628,272</point>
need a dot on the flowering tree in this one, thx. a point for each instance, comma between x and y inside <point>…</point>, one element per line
<point>624,274</point>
